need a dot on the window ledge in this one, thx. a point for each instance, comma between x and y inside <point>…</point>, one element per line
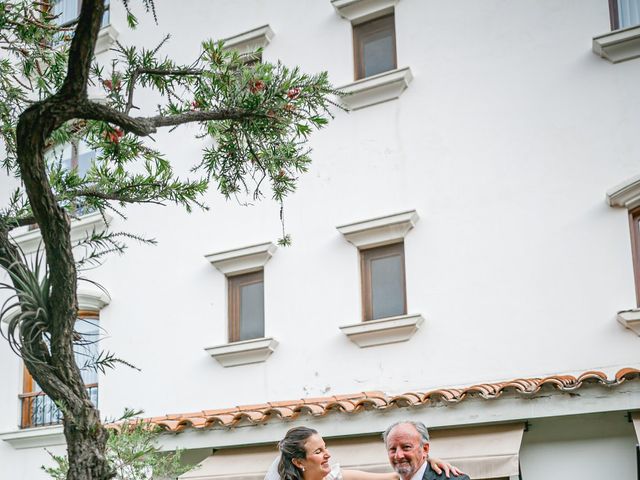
<point>376,89</point>
<point>619,45</point>
<point>379,231</point>
<point>243,353</point>
<point>249,42</point>
<point>625,195</point>
<point>383,331</point>
<point>29,240</point>
<point>242,260</point>
<point>630,319</point>
<point>106,38</point>
<point>359,11</point>
<point>35,437</point>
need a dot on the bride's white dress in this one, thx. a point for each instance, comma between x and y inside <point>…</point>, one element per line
<point>272,473</point>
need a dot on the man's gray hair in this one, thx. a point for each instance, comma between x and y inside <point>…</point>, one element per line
<point>419,426</point>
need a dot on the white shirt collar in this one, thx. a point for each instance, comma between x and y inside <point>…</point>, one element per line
<point>420,473</point>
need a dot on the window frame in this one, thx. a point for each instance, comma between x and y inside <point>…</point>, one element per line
<point>28,392</point>
<point>234,289</point>
<point>106,14</point>
<point>366,256</point>
<point>368,28</point>
<point>74,162</point>
<point>614,16</point>
<point>634,226</point>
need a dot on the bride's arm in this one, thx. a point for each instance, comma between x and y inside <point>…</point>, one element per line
<point>360,475</point>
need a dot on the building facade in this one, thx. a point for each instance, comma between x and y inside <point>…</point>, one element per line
<point>465,250</point>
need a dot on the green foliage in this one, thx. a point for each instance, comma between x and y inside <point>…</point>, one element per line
<point>254,123</point>
<point>29,296</point>
<point>255,118</point>
<point>133,453</point>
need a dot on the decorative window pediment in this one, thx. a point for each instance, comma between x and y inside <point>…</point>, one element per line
<point>626,195</point>
<point>379,231</point>
<point>358,11</point>
<point>242,260</point>
<point>247,42</point>
<point>92,299</point>
<point>106,38</point>
<point>29,240</point>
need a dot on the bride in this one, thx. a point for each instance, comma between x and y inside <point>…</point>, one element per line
<point>304,456</point>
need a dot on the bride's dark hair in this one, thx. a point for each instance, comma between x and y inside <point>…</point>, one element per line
<point>292,446</point>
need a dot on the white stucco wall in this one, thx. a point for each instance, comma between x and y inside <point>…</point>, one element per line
<point>498,144</point>
<point>505,143</point>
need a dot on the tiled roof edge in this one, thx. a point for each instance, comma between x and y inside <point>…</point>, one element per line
<point>357,402</point>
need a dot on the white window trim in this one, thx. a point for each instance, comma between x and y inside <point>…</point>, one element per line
<point>35,437</point>
<point>29,240</point>
<point>248,42</point>
<point>379,231</point>
<point>619,45</point>
<point>359,11</point>
<point>376,89</point>
<point>242,260</point>
<point>235,262</point>
<point>245,352</point>
<point>92,298</point>
<point>625,195</point>
<point>630,319</point>
<point>106,38</point>
<point>383,331</point>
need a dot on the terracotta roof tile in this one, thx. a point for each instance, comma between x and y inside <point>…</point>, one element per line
<point>343,406</point>
<point>405,400</point>
<point>287,403</point>
<point>222,411</point>
<point>371,402</point>
<point>627,374</point>
<point>447,395</point>
<point>592,376</point>
<point>317,400</point>
<point>250,415</point>
<point>315,409</point>
<point>195,422</point>
<point>353,403</point>
<point>222,420</point>
<point>350,396</point>
<point>258,407</point>
<point>172,425</point>
<point>215,421</point>
<point>486,390</point>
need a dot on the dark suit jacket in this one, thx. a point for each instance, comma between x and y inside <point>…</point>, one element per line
<point>429,474</point>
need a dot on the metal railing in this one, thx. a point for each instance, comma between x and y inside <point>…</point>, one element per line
<point>38,410</point>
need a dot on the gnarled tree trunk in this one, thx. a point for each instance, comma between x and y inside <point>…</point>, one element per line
<point>54,366</point>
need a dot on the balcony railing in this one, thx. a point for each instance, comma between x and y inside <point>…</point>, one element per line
<point>38,410</point>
